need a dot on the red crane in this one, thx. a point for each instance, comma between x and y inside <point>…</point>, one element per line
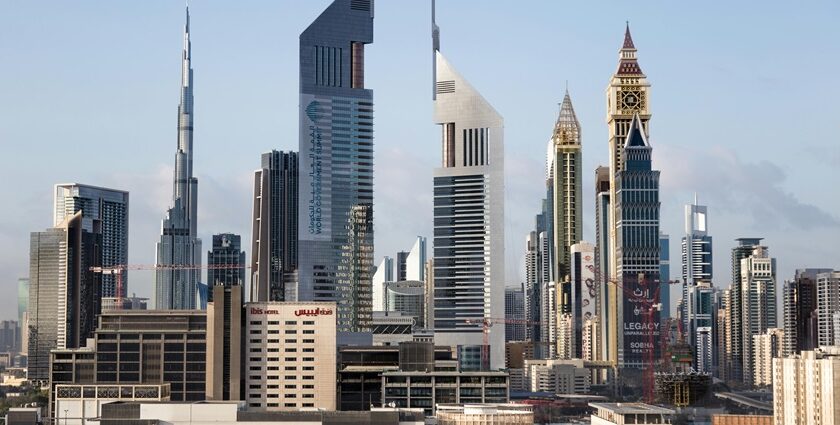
<point>120,268</point>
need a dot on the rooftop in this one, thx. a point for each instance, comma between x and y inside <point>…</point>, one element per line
<point>632,408</point>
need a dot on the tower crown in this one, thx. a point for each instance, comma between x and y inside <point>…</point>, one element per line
<point>567,127</point>
<point>627,62</point>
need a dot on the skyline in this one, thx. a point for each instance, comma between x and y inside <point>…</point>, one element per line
<point>397,111</point>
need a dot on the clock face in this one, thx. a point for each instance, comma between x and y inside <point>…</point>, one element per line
<point>631,100</point>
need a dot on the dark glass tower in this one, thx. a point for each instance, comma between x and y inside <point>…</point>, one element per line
<point>274,236</point>
<point>227,251</point>
<point>336,159</point>
<point>638,252</point>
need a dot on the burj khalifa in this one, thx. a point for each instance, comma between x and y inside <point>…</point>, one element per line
<point>176,287</point>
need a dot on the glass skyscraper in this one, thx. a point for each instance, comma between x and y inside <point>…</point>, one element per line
<point>110,207</point>
<point>336,162</point>
<point>227,250</point>
<point>274,237</point>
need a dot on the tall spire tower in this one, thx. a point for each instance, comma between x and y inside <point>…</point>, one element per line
<point>179,243</point>
<point>469,271</point>
<point>564,181</point>
<point>627,96</point>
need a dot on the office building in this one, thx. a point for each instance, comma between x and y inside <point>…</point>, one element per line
<point>469,275</point>
<point>828,303</point>
<point>800,311</point>
<point>290,355</point>
<point>515,312</point>
<point>383,275</point>
<point>630,413</point>
<point>402,265</point>
<point>758,302</point>
<point>336,163</point>
<point>179,245</point>
<point>602,260</point>
<point>132,348</point>
<point>724,334</point>
<point>392,328</point>
<point>766,347</point>
<point>637,259</point>
<point>427,390</point>
<point>82,404</point>
<point>224,344</point>
<point>836,320</point>
<point>126,303</point>
<point>9,336</point>
<point>699,308</point>
<point>516,352</point>
<point>409,298</point>
<point>806,388</point>
<point>665,276</point>
<point>584,293</point>
<point>227,251</point>
<point>22,308</point>
<point>696,253</point>
<point>704,351</point>
<point>558,376</point>
<point>110,208</point>
<point>489,414</point>
<point>415,262</point>
<point>274,230</point>
<point>735,344</point>
<point>628,96</point>
<point>564,179</point>
<point>64,294</point>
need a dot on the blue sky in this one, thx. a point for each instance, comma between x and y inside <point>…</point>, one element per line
<point>744,111</point>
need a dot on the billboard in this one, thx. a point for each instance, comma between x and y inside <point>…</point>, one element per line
<point>641,326</point>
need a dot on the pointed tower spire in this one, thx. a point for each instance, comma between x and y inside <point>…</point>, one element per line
<point>435,49</point>
<point>628,40</point>
<point>627,63</point>
<point>636,134</point>
<point>567,127</point>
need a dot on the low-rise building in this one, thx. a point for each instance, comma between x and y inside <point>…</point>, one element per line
<point>630,413</point>
<point>429,389</point>
<point>568,376</point>
<point>484,414</point>
<point>742,420</point>
<point>80,404</point>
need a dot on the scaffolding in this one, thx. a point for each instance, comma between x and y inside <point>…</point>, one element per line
<point>681,389</point>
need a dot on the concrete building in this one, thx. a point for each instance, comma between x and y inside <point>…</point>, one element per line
<point>742,420</point>
<point>630,413</point>
<point>734,340</point>
<point>383,275</point>
<point>409,298</point>
<point>515,311</point>
<point>766,347</point>
<point>335,237</point>
<point>665,276</point>
<point>628,96</point>
<point>758,303</point>
<point>226,251</point>
<point>516,352</point>
<point>274,229</point>
<point>704,351</point>
<point>82,404</point>
<point>602,260</point>
<point>225,365</point>
<point>64,294</point>
<point>584,293</point>
<point>427,390</point>
<point>110,208</point>
<point>558,376</point>
<point>699,310</point>
<point>828,303</point>
<point>806,388</point>
<point>177,288</point>
<point>125,303</point>
<point>799,299</point>
<point>484,414</point>
<point>392,328</point>
<point>469,266</point>
<point>290,355</point>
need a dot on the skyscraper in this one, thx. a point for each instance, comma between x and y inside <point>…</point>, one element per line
<point>355,271</point>
<point>402,265</point>
<point>336,162</point>
<point>584,293</point>
<point>758,303</point>
<point>696,268</point>
<point>828,303</point>
<point>227,251</point>
<point>734,338</point>
<point>64,294</point>
<point>110,207</point>
<point>384,274</point>
<point>179,243</point>
<point>799,301</point>
<point>564,174</point>
<point>515,310</point>
<point>274,230</point>
<point>606,292</point>
<point>627,97</point>
<point>225,364</point>
<point>637,260</point>
<point>665,275</point>
<point>415,262</point>
<point>469,263</point>
<point>23,316</point>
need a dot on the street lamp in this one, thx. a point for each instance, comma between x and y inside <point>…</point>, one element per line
<point>65,416</point>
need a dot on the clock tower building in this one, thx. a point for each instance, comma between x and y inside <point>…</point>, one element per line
<point>627,96</point>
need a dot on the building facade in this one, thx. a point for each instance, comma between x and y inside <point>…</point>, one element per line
<point>734,340</point>
<point>469,269</point>
<point>179,245</point>
<point>110,207</point>
<point>290,355</point>
<point>806,388</point>
<point>602,261</point>
<point>828,303</point>
<point>665,276</point>
<point>383,275</point>
<point>628,96</point>
<point>415,262</point>
<point>336,163</point>
<point>225,344</point>
<point>227,251</point>
<point>637,260</point>
<point>64,294</point>
<point>409,298</point>
<point>274,230</point>
<point>766,347</point>
<point>515,312</point>
<point>800,311</point>
<point>427,390</point>
<point>758,302</point>
<point>583,295</point>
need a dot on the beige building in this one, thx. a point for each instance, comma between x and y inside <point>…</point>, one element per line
<point>558,376</point>
<point>766,347</point>
<point>742,420</point>
<point>629,413</point>
<point>290,355</point>
<point>806,388</point>
<point>484,414</point>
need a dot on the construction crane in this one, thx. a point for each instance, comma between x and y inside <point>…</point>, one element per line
<point>119,269</point>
